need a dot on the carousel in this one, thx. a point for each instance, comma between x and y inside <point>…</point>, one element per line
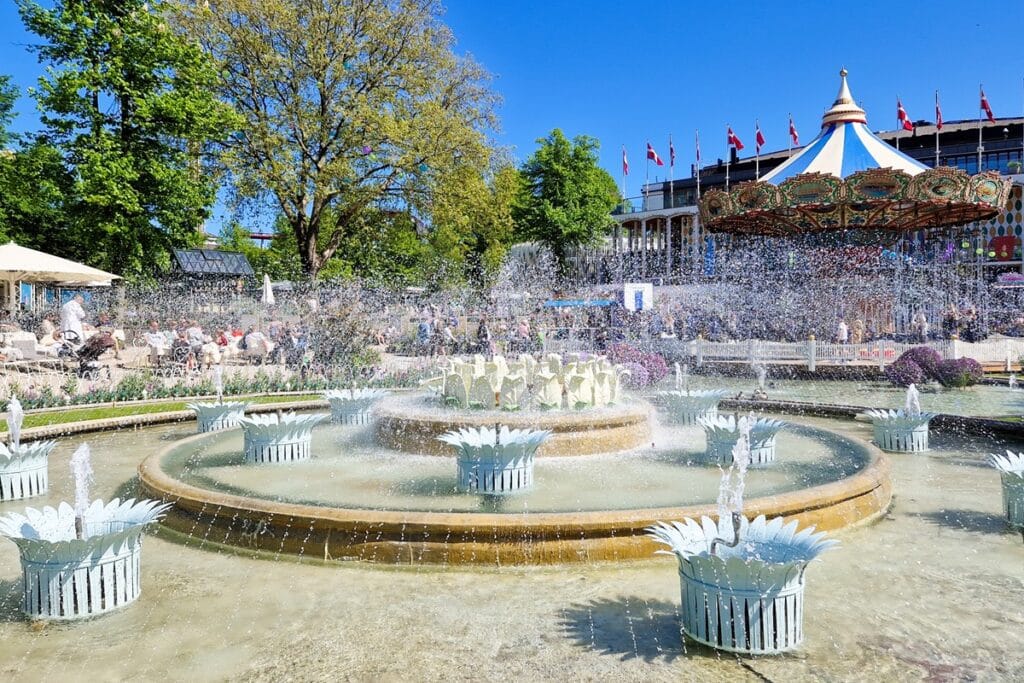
<point>847,179</point>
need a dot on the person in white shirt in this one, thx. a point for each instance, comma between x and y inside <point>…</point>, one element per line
<point>71,316</point>
<point>843,332</point>
<point>157,342</point>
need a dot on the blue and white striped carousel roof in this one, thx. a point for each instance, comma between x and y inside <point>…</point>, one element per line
<point>844,146</point>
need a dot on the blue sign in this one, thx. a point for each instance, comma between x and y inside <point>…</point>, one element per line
<point>638,300</point>
<point>709,256</point>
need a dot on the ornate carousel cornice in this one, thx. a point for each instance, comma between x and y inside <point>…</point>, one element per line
<point>876,199</point>
<point>849,179</point>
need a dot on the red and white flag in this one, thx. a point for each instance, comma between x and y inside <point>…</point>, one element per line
<point>733,140</point>
<point>986,108</point>
<point>625,162</point>
<point>902,119</point>
<point>938,112</point>
<point>671,153</point>
<point>758,136</point>
<point>696,140</point>
<point>792,132</point>
<point>653,156</point>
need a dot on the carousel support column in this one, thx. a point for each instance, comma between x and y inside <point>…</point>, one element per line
<point>615,239</point>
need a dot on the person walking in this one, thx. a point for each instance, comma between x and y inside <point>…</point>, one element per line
<point>71,317</point>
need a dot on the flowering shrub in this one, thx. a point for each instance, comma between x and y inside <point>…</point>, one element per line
<point>926,358</point>
<point>904,372</point>
<point>655,367</point>
<point>922,364</point>
<point>959,372</point>
<point>638,377</point>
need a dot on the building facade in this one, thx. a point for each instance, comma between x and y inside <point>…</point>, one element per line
<point>658,235</point>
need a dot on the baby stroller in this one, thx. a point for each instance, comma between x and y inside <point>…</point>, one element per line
<point>88,355</point>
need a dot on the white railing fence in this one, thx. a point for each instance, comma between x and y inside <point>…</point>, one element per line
<point>813,353</point>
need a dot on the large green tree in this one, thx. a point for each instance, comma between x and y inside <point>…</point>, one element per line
<point>131,107</point>
<point>565,199</point>
<point>350,107</point>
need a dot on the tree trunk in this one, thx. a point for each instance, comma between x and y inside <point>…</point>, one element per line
<point>305,235</point>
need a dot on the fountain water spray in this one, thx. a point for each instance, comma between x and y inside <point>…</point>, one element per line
<point>679,376</point>
<point>1013,380</point>
<point>730,491</point>
<point>15,418</point>
<point>81,470</point>
<point>913,405</point>
<point>218,382</point>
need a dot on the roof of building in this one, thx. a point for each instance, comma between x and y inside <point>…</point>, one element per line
<point>212,262</point>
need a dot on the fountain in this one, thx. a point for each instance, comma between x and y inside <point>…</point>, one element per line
<point>690,407</point>
<point>578,399</point>
<point>352,406</point>
<point>1011,470</point>
<point>495,460</point>
<point>23,467</point>
<point>904,430</point>
<point>1012,382</point>
<point>741,581</point>
<point>211,417</point>
<point>723,434</point>
<point>80,561</point>
<point>280,437</point>
<point>761,393</point>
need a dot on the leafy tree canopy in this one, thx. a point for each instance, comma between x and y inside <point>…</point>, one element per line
<point>351,108</point>
<point>565,199</point>
<point>131,108</point>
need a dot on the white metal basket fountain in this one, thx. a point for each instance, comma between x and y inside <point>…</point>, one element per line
<point>904,430</point>
<point>690,407</point>
<point>211,417</point>
<point>493,460</point>
<point>283,437</point>
<point>742,582</point>
<point>1011,470</point>
<point>352,406</point>
<point>67,577</point>
<point>900,432</point>
<point>723,433</point>
<point>23,469</point>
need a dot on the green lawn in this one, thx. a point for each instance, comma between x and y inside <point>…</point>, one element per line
<point>103,412</point>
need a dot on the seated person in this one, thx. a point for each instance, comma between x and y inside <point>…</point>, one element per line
<point>157,342</point>
<point>256,343</point>
<point>49,343</point>
<point>209,352</point>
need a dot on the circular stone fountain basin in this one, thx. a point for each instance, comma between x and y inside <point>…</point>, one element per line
<point>412,423</point>
<point>355,500</point>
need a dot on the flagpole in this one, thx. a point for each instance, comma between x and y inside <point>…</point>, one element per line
<point>981,147</point>
<point>696,137</point>
<point>757,151</point>
<point>938,113</point>
<point>789,136</point>
<point>899,124</point>
<point>728,157</point>
<point>647,178</point>
<point>671,167</point>
<point>624,195</point>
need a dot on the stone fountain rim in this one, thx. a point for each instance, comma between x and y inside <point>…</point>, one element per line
<point>872,477</point>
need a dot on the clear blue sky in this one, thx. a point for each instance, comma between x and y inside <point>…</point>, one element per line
<point>625,72</point>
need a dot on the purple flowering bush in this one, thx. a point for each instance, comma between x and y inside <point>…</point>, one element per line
<point>654,366</point>
<point>959,372</point>
<point>923,364</point>
<point>638,377</point>
<point>903,372</point>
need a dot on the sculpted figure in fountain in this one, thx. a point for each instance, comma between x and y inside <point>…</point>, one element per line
<point>481,393</point>
<point>456,390</point>
<point>548,391</point>
<point>602,385</point>
<point>513,392</point>
<point>579,391</point>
